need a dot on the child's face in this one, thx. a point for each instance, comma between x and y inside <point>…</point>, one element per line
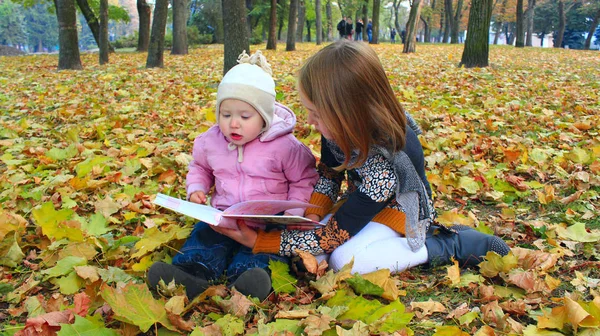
<point>239,121</point>
<point>314,117</point>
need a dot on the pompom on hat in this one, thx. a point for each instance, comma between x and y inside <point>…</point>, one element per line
<point>250,81</point>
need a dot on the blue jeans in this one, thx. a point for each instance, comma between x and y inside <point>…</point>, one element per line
<point>370,35</point>
<point>209,253</point>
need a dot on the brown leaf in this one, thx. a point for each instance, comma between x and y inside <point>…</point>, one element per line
<point>571,198</point>
<point>309,261</point>
<point>428,308</point>
<point>492,313</point>
<point>82,304</point>
<point>316,325</point>
<point>179,322</point>
<point>459,311</point>
<point>237,305</point>
<point>517,182</point>
<point>514,307</point>
<point>47,324</point>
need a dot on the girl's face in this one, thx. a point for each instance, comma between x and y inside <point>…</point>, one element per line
<point>239,121</point>
<point>314,117</point>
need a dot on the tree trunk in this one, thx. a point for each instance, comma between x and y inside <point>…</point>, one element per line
<point>157,36</point>
<point>271,40</point>
<point>412,26</point>
<point>447,20</point>
<point>319,22</point>
<point>329,21</point>
<point>426,34</point>
<point>588,40</point>
<point>234,22</point>
<point>301,18</point>
<point>365,18</point>
<point>308,35</point>
<point>92,21</point>
<point>68,44</point>
<point>529,14</point>
<point>456,23</point>
<point>396,7</point>
<point>290,44</point>
<point>498,31</point>
<point>280,26</point>
<point>180,11</point>
<point>562,21</point>
<point>375,21</point>
<point>542,36</point>
<point>476,51</point>
<point>429,25</point>
<point>249,7</point>
<point>144,12</point>
<point>520,25</point>
<point>103,46</point>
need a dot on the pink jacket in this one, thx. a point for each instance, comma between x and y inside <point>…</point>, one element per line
<point>275,166</point>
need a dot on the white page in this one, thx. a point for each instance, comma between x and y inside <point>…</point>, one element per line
<point>200,212</point>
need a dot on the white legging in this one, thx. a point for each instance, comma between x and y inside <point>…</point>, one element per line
<point>376,246</point>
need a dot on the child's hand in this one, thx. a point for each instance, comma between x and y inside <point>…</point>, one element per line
<point>314,217</point>
<point>198,197</point>
<point>242,234</point>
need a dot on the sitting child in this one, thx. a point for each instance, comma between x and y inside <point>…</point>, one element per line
<point>250,155</point>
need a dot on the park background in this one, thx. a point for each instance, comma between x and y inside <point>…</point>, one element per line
<point>511,148</point>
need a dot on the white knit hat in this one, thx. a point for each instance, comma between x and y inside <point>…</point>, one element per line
<point>250,81</point>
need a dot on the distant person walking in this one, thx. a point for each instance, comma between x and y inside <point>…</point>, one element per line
<point>349,28</point>
<point>403,36</point>
<point>370,30</point>
<point>341,27</point>
<point>359,30</point>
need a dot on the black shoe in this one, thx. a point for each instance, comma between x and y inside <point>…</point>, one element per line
<point>254,282</point>
<point>194,285</point>
<point>466,245</point>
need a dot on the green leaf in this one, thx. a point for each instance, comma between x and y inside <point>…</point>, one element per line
<point>394,306</point>
<point>364,286</point>
<point>578,155</point>
<point>114,274</point>
<point>70,284</point>
<point>96,226</point>
<point>230,325</point>
<point>282,281</point>
<point>360,308</point>
<point>577,232</point>
<point>84,326</point>
<point>10,251</point>
<point>62,154</point>
<point>85,167</point>
<point>64,266</point>
<point>279,326</point>
<point>135,305</point>
<point>469,184</point>
<point>53,224</point>
<point>467,318</point>
<point>153,238</point>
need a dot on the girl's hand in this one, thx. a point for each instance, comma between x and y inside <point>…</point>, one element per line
<point>242,234</point>
<point>314,217</point>
<point>198,197</point>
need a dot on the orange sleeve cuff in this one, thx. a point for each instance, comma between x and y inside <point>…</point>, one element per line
<point>267,242</point>
<point>320,200</point>
<point>392,218</point>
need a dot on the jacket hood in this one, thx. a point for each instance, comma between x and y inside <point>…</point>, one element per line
<point>283,123</point>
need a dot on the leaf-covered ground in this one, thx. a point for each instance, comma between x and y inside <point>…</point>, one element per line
<point>513,149</point>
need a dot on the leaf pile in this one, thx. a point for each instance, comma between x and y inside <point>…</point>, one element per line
<point>512,149</point>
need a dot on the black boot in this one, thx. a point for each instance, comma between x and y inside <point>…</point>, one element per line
<point>465,244</point>
<point>194,284</point>
<point>254,282</point>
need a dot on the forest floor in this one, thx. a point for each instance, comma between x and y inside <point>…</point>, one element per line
<point>511,149</point>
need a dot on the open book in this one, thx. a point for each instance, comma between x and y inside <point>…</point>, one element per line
<point>255,213</point>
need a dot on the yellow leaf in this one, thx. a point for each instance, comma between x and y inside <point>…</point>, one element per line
<point>495,264</point>
<point>454,273</point>
<point>382,279</point>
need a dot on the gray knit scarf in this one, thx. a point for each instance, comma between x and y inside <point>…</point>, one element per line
<point>411,193</point>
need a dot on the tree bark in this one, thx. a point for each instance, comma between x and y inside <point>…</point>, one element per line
<point>447,20</point>
<point>68,44</point>
<point>290,44</point>
<point>588,40</point>
<point>280,25</point>
<point>234,22</point>
<point>272,40</point>
<point>103,46</point>
<point>429,24</point>
<point>529,14</point>
<point>180,12</point>
<point>301,19</point>
<point>308,35</point>
<point>144,12</point>
<point>365,18</point>
<point>456,23</point>
<point>476,51</point>
<point>157,36</point>
<point>92,21</point>
<point>426,34</point>
<point>412,26</point>
<point>249,7</point>
<point>396,7</point>
<point>329,21</point>
<point>498,30</point>
<point>562,21</point>
<point>319,22</point>
<point>375,21</point>
<point>520,25</point>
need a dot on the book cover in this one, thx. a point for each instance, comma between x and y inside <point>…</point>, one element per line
<point>256,213</point>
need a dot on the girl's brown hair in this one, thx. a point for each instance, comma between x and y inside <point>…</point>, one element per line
<point>351,92</point>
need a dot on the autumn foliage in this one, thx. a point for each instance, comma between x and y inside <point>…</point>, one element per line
<point>513,149</point>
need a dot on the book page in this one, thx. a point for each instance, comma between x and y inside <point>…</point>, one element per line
<point>270,207</point>
<point>200,212</point>
<point>274,219</point>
